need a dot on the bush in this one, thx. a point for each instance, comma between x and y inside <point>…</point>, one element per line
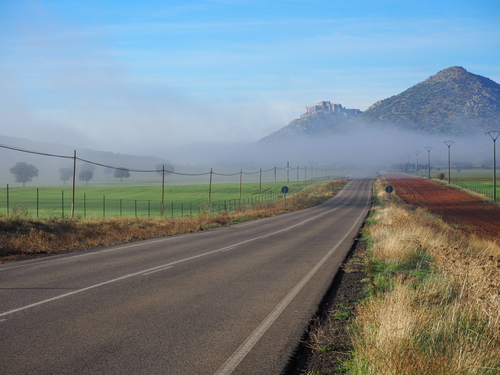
<point>441,175</point>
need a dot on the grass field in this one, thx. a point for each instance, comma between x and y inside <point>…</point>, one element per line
<point>136,201</point>
<point>483,187</point>
<point>478,180</point>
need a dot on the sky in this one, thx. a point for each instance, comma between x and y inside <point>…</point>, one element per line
<point>146,77</point>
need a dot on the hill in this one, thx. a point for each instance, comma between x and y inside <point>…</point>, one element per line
<point>453,102</point>
<point>322,118</point>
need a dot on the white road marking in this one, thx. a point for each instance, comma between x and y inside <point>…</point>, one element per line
<point>142,243</point>
<point>163,266</point>
<point>234,360</point>
<point>158,270</point>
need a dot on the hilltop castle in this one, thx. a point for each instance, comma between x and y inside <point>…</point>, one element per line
<point>328,107</point>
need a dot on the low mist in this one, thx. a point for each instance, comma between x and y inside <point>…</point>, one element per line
<point>368,150</point>
<point>365,149</point>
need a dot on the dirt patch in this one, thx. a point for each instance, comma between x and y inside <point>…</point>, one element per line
<point>458,208</point>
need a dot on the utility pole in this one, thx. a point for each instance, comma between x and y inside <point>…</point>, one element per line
<point>428,148</point>
<point>260,181</point>
<point>494,135</point>
<point>241,179</point>
<point>449,143</point>
<point>408,169</point>
<point>417,152</point>
<point>210,188</point>
<point>162,213</point>
<point>73,187</point>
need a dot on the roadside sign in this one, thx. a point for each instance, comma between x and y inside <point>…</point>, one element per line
<point>284,190</point>
<point>389,189</point>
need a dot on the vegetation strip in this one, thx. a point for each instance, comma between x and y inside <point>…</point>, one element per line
<point>432,305</point>
<point>22,237</point>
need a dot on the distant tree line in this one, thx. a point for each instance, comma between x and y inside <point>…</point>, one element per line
<point>24,172</point>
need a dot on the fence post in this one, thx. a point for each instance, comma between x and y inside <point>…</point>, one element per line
<point>149,209</point>
<point>7,200</point>
<point>62,203</point>
<point>103,206</point>
<point>37,203</point>
<point>121,211</point>
<point>84,205</point>
<point>135,207</point>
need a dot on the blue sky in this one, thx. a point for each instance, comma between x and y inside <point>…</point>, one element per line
<point>142,76</point>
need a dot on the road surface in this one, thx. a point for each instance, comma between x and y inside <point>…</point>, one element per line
<point>234,300</point>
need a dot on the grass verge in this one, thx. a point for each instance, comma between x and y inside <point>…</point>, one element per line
<point>22,237</point>
<point>431,301</point>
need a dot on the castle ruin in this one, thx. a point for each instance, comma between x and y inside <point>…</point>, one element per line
<point>329,107</point>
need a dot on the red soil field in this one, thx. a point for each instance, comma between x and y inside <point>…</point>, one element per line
<point>468,212</point>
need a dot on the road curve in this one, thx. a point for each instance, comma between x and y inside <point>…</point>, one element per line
<point>234,300</point>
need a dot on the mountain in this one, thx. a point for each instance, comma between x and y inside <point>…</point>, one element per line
<point>322,118</point>
<point>452,102</point>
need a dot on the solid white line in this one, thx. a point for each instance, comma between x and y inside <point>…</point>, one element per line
<point>157,267</point>
<point>234,360</point>
<point>150,270</point>
<point>161,269</point>
<point>142,243</point>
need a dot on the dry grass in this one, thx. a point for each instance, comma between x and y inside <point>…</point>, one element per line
<point>437,306</point>
<point>21,236</point>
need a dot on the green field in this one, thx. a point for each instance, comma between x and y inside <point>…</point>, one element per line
<point>479,186</point>
<point>136,201</point>
<point>478,180</point>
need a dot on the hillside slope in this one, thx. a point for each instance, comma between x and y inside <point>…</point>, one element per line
<point>453,101</point>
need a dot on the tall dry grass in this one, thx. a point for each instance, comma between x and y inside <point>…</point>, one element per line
<point>436,302</point>
<point>21,236</point>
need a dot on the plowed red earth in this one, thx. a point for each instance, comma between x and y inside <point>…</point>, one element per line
<point>468,212</point>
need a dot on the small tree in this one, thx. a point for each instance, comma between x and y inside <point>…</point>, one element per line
<point>121,173</point>
<point>24,172</point>
<point>86,176</point>
<point>65,174</point>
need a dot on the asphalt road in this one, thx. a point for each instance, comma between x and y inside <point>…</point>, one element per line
<point>234,300</point>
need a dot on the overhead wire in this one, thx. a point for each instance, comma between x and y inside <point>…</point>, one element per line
<point>139,170</point>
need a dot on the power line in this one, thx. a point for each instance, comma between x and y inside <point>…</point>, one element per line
<point>139,170</point>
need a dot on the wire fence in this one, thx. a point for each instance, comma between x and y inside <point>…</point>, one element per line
<point>487,192</point>
<point>70,202</point>
<point>36,204</point>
